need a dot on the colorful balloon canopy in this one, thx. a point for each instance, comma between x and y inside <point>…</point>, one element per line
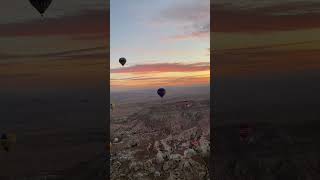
<point>122,61</point>
<point>41,5</point>
<point>161,92</point>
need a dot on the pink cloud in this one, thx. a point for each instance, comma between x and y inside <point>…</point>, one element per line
<point>193,35</point>
<point>164,67</point>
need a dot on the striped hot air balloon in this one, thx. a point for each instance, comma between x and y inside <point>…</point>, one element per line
<point>245,131</point>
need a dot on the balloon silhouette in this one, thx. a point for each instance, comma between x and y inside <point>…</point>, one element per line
<point>122,61</point>
<point>161,92</point>
<point>41,5</point>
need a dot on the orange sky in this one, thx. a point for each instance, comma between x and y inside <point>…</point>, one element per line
<point>156,75</point>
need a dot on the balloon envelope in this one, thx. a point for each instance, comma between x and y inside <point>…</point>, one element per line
<point>244,131</point>
<point>161,92</point>
<point>122,61</point>
<point>41,5</point>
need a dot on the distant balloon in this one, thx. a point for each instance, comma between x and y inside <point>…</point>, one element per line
<point>161,92</point>
<point>41,5</point>
<point>7,141</point>
<point>122,61</point>
<point>244,131</point>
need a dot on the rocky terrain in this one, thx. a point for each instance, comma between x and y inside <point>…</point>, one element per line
<point>168,140</point>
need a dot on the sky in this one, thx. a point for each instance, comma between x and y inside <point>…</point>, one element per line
<point>66,49</point>
<point>265,38</point>
<point>166,43</point>
<point>265,58</point>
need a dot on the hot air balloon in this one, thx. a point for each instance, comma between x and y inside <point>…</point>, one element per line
<point>245,130</point>
<point>122,61</point>
<point>161,92</point>
<point>7,141</point>
<point>41,5</point>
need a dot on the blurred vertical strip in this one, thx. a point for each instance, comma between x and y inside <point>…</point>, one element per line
<point>212,97</point>
<point>108,144</point>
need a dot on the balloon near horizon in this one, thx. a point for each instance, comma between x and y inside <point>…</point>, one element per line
<point>161,92</point>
